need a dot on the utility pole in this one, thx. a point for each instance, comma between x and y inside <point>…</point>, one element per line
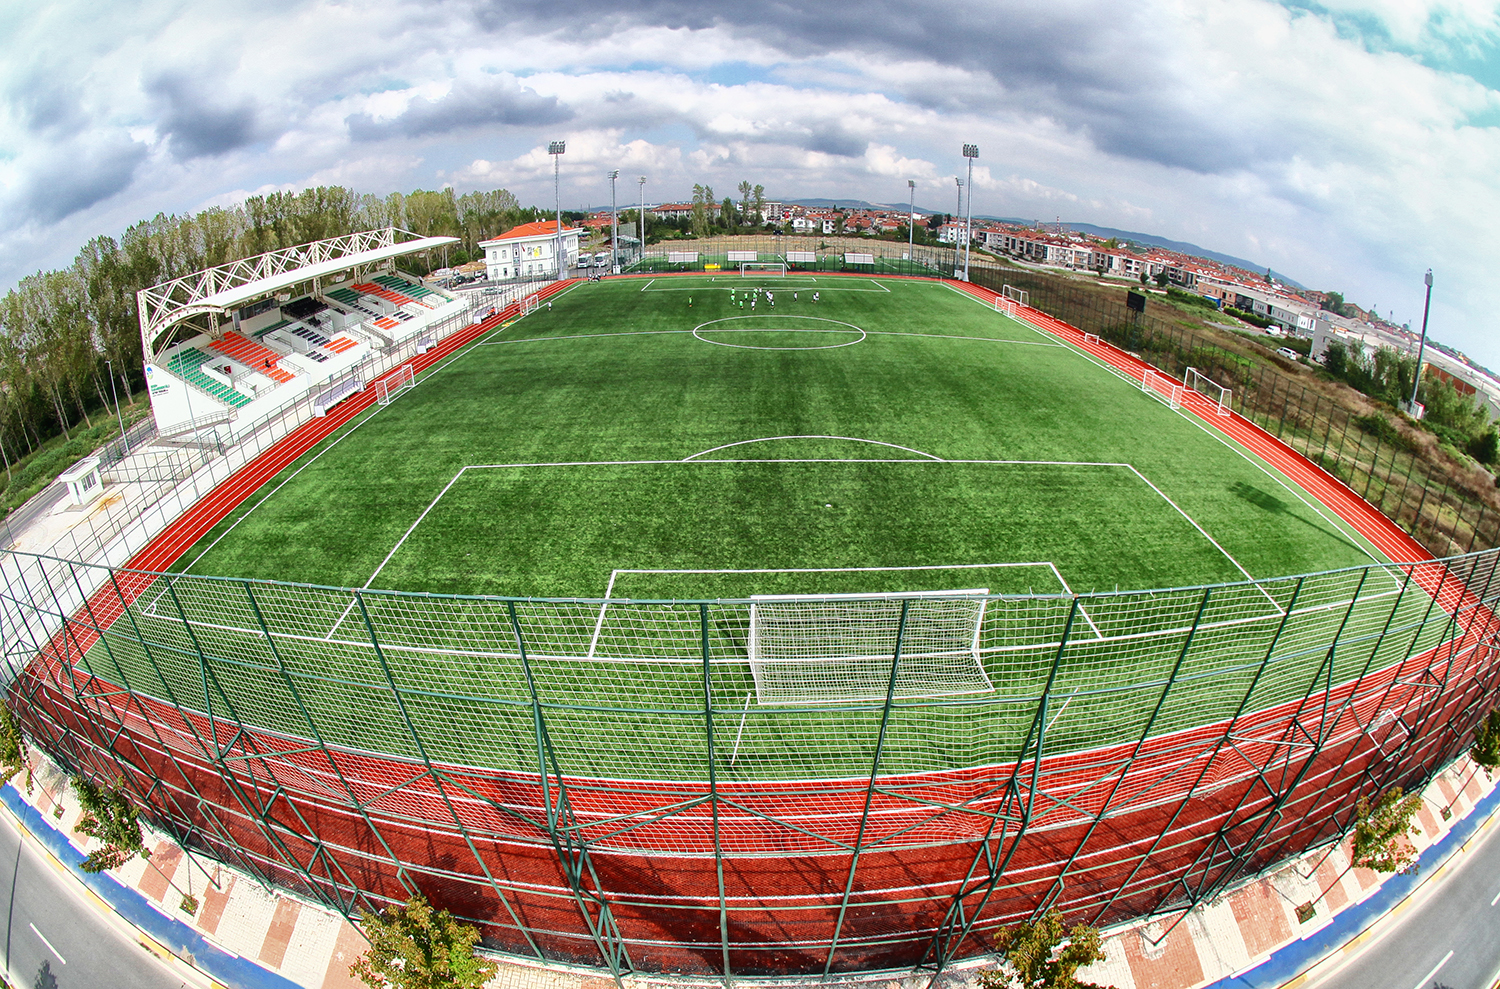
<point>1411,406</point>
<point>641,233</point>
<point>557,149</point>
<point>614,225</point>
<point>116,394</point>
<point>911,212</point>
<point>971,151</point>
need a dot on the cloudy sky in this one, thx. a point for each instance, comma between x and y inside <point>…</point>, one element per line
<point>1348,143</point>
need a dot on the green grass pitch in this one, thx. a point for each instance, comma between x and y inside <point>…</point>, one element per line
<point>906,371</point>
<point>663,439</point>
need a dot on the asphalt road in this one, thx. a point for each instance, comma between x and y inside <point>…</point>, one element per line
<point>55,939</point>
<point>1450,940</point>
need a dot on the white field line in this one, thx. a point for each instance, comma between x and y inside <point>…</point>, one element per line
<point>1081,610</point>
<point>743,715</point>
<point>1019,322</point>
<point>1360,542</point>
<point>798,287</point>
<point>350,607</point>
<point>1061,710</point>
<point>647,285</point>
<point>1211,539</point>
<point>851,439</point>
<point>584,336</point>
<point>882,288</point>
<point>609,591</point>
<point>441,365</point>
<point>955,336</point>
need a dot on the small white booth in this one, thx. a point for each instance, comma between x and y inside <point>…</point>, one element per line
<point>83,481</point>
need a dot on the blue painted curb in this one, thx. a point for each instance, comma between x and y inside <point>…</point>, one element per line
<point>184,941</point>
<point>1290,961</point>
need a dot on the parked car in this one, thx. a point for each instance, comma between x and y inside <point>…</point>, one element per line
<point>1289,353</point>
<point>601,260</point>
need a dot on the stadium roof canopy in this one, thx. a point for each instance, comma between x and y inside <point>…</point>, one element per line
<point>228,286</point>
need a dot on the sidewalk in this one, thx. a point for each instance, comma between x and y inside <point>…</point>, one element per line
<point>243,935</point>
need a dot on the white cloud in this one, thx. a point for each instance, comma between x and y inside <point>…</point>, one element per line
<point>1281,134</point>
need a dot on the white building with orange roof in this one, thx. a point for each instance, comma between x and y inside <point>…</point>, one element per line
<point>529,251</point>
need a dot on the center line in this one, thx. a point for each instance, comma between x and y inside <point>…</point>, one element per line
<point>64,960</point>
<point>1495,900</point>
<point>1428,977</point>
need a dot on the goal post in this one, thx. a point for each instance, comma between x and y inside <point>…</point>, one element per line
<point>530,304</point>
<point>1159,386</point>
<point>772,268</point>
<point>1091,338</point>
<point>839,648</point>
<point>1015,294</point>
<point>1219,396</point>
<point>388,387</point>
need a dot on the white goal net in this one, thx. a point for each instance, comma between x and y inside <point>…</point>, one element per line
<point>388,387</point>
<point>1091,338</point>
<point>529,305</point>
<point>772,268</point>
<point>1015,294</point>
<point>1158,385</point>
<point>1217,395</point>
<point>829,649</point>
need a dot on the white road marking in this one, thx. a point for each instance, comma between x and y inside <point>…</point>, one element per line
<point>1428,977</point>
<point>65,961</point>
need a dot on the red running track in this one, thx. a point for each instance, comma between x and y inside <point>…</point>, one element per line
<point>1109,833</point>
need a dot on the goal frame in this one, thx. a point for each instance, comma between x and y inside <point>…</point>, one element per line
<point>1162,387</point>
<point>1092,338</point>
<point>530,304</point>
<point>1017,295</point>
<point>1221,397</point>
<point>393,384</point>
<point>963,658</point>
<point>748,268</point>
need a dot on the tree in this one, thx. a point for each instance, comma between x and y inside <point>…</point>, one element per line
<point>413,946</point>
<point>1486,750</point>
<point>1381,832</point>
<point>1485,447</point>
<point>1334,302</point>
<point>12,748</point>
<point>758,203</point>
<point>1161,278</point>
<point>109,816</point>
<point>747,200</point>
<point>1043,955</point>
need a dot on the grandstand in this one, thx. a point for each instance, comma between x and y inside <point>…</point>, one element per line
<point>240,341</point>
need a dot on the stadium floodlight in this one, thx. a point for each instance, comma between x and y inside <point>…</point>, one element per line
<point>641,231</point>
<point>614,225</point>
<point>958,217</point>
<point>911,213</point>
<point>1411,406</point>
<point>557,149</point>
<point>971,151</point>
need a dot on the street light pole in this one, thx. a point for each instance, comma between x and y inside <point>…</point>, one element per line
<point>1412,405</point>
<point>115,392</point>
<point>911,212</point>
<point>557,149</point>
<point>971,151</point>
<point>614,225</point>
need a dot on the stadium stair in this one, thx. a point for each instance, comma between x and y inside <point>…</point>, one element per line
<point>187,364</point>
<point>252,355</point>
<point>381,292</point>
<point>395,284</point>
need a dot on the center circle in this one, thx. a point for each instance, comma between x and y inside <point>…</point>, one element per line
<point>818,334</point>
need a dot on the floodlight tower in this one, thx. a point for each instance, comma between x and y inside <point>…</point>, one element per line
<point>971,151</point>
<point>911,212</point>
<point>641,233</point>
<point>1411,406</point>
<point>958,216</point>
<point>614,225</point>
<point>557,149</point>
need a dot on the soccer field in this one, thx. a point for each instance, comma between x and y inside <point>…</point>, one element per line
<point>650,439</point>
<point>666,425</point>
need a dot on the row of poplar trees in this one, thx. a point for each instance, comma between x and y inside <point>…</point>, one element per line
<point>61,331</point>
